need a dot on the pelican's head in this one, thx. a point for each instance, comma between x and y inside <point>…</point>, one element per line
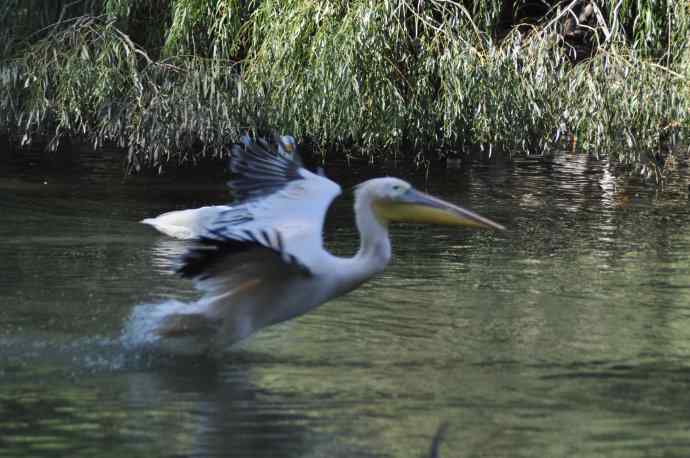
<point>395,200</point>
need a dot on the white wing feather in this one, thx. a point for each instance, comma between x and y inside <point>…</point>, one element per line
<point>282,209</point>
<point>295,214</point>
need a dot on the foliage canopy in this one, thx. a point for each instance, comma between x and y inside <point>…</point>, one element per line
<point>180,79</point>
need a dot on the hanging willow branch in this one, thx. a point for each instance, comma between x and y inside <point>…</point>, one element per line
<point>404,77</point>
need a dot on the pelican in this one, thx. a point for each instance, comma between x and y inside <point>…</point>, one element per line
<point>192,223</point>
<point>263,261</point>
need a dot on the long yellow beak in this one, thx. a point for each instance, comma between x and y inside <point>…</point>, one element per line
<point>418,207</point>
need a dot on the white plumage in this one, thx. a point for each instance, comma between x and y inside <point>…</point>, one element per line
<point>186,224</point>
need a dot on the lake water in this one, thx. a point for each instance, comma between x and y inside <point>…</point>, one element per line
<point>568,335</point>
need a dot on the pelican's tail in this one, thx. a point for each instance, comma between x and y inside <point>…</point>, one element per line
<point>187,224</point>
<point>176,229</point>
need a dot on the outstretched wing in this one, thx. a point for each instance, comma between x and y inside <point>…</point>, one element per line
<point>277,223</point>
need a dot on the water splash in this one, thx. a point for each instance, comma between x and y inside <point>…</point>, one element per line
<point>141,330</point>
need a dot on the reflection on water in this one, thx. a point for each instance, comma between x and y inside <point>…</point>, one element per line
<point>166,253</point>
<point>568,335</point>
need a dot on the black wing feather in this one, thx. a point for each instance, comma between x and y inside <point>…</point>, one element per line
<point>261,170</point>
<point>210,251</point>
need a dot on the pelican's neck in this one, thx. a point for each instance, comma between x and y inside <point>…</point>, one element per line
<point>374,246</point>
<point>373,254</point>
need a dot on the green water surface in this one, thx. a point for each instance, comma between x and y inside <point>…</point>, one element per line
<point>568,335</point>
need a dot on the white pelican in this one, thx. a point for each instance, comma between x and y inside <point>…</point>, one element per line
<point>263,261</point>
<point>192,223</point>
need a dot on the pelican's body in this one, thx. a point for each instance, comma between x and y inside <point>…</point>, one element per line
<point>263,261</point>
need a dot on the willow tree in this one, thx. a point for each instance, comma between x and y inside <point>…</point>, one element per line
<point>176,80</point>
